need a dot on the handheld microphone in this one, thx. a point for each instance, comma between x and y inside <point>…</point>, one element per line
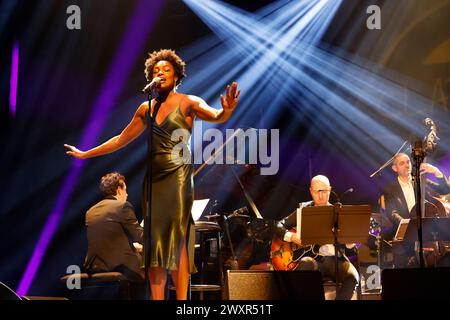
<point>349,190</point>
<point>155,83</point>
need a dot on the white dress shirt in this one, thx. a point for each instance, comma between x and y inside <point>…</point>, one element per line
<point>408,192</point>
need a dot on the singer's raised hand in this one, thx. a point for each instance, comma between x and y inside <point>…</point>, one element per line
<point>74,152</point>
<point>230,101</point>
<point>204,112</point>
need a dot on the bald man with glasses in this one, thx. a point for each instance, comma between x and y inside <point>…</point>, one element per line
<point>320,190</point>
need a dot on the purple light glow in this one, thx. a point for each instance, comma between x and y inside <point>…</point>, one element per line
<point>130,47</point>
<point>444,165</point>
<point>13,79</point>
<point>50,228</point>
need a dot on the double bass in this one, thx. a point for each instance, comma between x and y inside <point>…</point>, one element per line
<point>431,206</point>
<point>433,251</point>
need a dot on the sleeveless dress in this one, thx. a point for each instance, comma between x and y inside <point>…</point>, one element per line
<point>172,194</point>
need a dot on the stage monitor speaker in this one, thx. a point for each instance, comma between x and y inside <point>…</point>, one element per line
<point>427,283</point>
<point>6,293</point>
<point>274,285</point>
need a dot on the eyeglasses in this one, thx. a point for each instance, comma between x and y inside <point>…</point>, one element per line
<point>322,191</point>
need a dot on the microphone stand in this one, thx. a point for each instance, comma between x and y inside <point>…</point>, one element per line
<point>418,155</point>
<point>387,163</point>
<point>377,173</point>
<point>337,207</point>
<point>379,227</point>
<point>148,204</point>
<point>335,229</point>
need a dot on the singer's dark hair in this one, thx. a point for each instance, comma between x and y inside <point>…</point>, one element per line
<point>165,55</point>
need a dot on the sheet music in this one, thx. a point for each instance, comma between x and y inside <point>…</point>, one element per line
<point>299,222</point>
<point>401,230</point>
<point>197,209</point>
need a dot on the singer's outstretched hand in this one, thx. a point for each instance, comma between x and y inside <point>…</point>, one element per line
<point>74,152</point>
<point>230,101</point>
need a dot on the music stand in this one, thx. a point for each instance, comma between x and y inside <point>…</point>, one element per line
<point>335,224</point>
<point>434,229</point>
<point>401,229</point>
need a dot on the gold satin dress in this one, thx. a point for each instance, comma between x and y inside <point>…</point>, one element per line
<point>172,195</point>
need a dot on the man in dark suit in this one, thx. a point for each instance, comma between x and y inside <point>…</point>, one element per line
<point>398,200</point>
<point>399,195</point>
<point>113,232</point>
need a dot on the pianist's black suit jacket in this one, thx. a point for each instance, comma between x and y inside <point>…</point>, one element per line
<point>112,228</point>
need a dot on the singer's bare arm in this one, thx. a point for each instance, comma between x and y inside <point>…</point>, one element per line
<point>132,131</point>
<point>202,110</point>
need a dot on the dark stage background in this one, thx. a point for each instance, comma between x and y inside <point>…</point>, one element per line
<point>63,74</point>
